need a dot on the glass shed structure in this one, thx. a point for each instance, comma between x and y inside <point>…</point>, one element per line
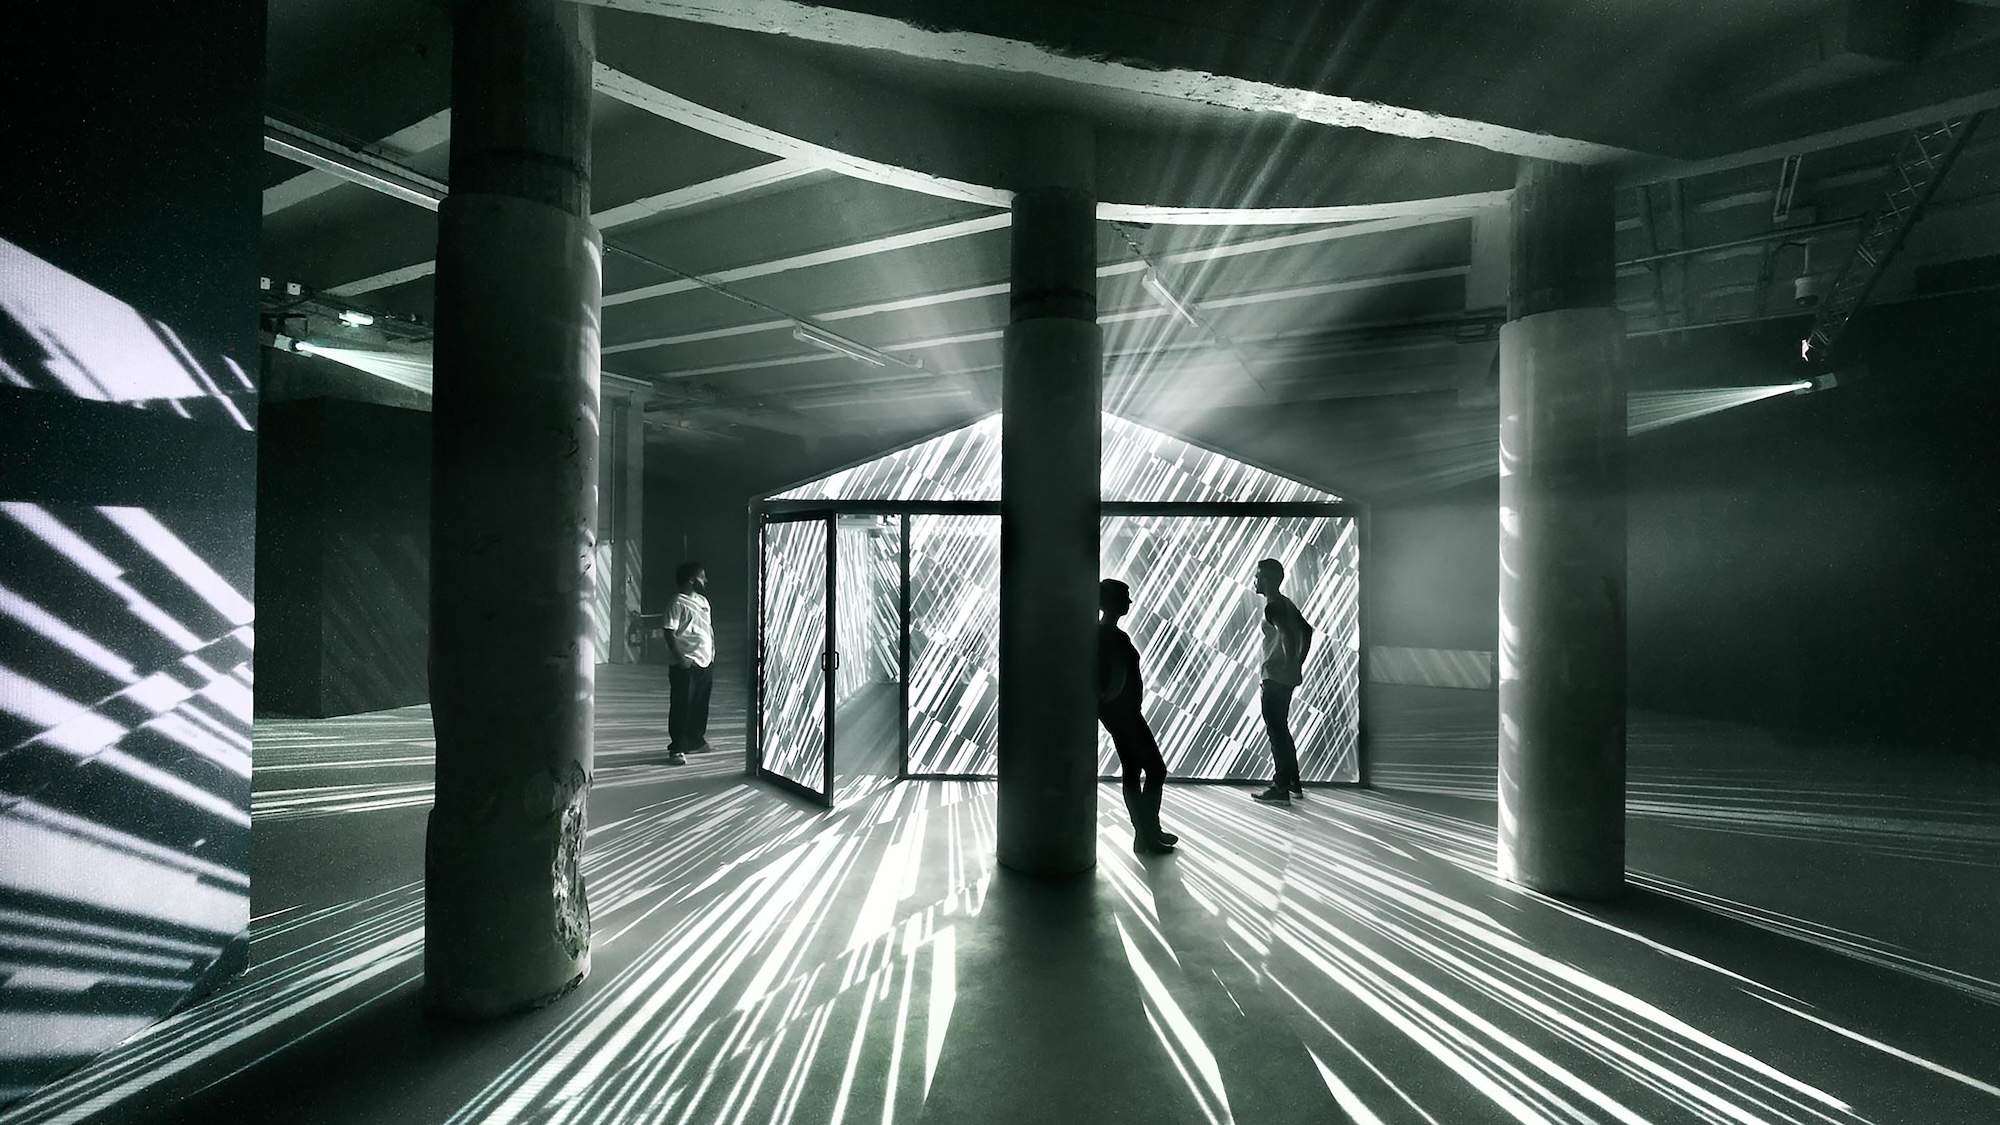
<point>875,614</point>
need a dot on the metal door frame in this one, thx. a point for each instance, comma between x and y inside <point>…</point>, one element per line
<point>828,661</point>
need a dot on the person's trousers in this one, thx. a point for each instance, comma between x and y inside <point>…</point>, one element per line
<point>1278,724</point>
<point>1144,770</point>
<point>687,707</point>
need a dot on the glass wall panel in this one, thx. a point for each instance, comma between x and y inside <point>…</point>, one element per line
<point>793,735</point>
<point>868,579</point>
<point>1140,464</point>
<point>868,635</point>
<point>1197,622</point>
<point>954,644</point>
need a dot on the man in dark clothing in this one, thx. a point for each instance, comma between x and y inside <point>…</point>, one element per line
<point>1287,640</point>
<point>1120,692</point>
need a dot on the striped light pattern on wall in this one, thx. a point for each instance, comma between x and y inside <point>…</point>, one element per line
<point>954,645</point>
<point>1197,625</point>
<point>868,562</point>
<point>1197,621</point>
<point>126,651</point>
<point>793,703</point>
<point>1140,464</point>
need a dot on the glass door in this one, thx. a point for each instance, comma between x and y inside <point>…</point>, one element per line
<point>796,612</point>
<point>868,680</point>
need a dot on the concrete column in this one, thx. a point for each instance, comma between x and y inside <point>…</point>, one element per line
<point>514,480</point>
<point>1562,542</point>
<point>621,480</point>
<point>1050,398</point>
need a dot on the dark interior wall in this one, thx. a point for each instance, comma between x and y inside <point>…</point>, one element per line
<point>1821,564</point>
<point>344,490</point>
<point>697,507</point>
<point>290,528</point>
<point>704,519</point>
<point>128,248</point>
<point>1430,580</point>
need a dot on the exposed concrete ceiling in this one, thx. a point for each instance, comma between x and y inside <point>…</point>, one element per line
<point>861,186</point>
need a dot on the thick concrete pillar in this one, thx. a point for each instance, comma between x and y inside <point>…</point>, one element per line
<point>514,480</point>
<point>1562,542</point>
<point>621,482</point>
<point>1050,398</point>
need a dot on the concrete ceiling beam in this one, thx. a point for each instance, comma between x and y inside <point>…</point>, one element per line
<point>399,146</point>
<point>370,170</point>
<point>707,193</point>
<point>1956,85</point>
<point>882,133</point>
<point>1197,255</point>
<point>1016,57</point>
<point>1145,313</point>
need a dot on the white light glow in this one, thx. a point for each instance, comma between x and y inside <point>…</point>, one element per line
<point>406,369</point>
<point>1166,297</point>
<point>1651,410</point>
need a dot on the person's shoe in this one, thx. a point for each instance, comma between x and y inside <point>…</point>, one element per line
<point>1298,793</point>
<point>1155,846</point>
<point>702,748</point>
<point>1273,796</point>
<point>676,758</point>
<point>1167,838</point>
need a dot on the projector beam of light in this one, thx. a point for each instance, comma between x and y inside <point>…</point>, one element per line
<point>412,370</point>
<point>1651,410</point>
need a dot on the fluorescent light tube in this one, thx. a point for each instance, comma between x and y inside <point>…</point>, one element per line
<point>806,334</point>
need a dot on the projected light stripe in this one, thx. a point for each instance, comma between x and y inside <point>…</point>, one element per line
<point>1139,464</point>
<point>794,625</point>
<point>757,1005</point>
<point>317,965</point>
<point>60,334</point>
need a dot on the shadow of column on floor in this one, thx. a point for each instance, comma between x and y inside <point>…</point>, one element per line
<point>1040,1031</point>
<point>1265,1071</point>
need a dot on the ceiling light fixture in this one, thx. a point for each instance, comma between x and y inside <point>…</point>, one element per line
<point>839,345</point>
<point>355,319</point>
<point>1166,297</point>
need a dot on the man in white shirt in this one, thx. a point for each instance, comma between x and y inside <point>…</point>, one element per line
<point>690,635</point>
<point>1287,640</point>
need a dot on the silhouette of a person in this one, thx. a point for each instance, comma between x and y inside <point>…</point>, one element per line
<point>1287,640</point>
<point>1120,693</point>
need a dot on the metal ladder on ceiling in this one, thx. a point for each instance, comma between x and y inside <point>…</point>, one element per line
<point>1920,165</point>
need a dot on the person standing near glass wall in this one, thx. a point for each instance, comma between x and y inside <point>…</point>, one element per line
<point>1120,693</point>
<point>690,636</point>
<point>1287,641</point>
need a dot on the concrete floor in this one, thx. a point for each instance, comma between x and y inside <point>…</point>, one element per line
<point>1808,938</point>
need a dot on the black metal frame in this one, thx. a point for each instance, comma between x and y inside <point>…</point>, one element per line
<point>903,650</point>
<point>768,511</point>
<point>753,745</point>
